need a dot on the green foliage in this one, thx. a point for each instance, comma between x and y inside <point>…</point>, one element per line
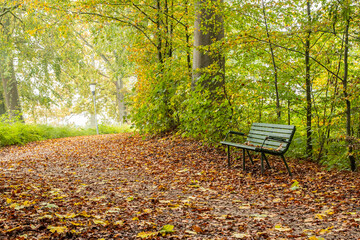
<point>19,133</point>
<point>109,129</point>
<point>203,117</point>
<point>156,102</point>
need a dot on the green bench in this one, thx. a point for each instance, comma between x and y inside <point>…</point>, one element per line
<point>264,138</point>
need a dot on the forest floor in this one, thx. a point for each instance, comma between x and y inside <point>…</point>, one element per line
<point>125,187</point>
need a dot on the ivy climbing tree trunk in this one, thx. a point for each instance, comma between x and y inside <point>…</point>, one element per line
<point>209,31</point>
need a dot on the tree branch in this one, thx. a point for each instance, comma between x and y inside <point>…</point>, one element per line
<point>296,51</point>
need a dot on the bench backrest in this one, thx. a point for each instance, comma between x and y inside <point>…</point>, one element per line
<point>259,131</point>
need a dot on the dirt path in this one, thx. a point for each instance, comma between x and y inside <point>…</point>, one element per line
<point>124,187</point>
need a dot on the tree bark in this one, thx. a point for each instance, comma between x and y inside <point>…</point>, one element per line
<point>209,30</point>
<point>346,96</point>
<point>2,104</point>
<point>8,78</point>
<point>120,101</point>
<point>187,39</point>
<point>278,107</point>
<point>309,147</point>
<point>10,88</point>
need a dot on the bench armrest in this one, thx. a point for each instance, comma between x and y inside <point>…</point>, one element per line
<point>234,132</point>
<point>238,133</point>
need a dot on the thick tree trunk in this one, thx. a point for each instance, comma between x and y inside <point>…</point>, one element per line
<point>209,30</point>
<point>8,77</point>
<point>11,94</point>
<point>120,101</point>
<point>309,147</point>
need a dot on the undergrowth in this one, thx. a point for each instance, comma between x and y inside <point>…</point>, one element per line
<point>19,133</point>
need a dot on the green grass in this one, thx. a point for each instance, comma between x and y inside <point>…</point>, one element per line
<point>18,133</point>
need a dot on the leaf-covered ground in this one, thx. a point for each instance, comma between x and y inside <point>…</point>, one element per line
<point>125,187</point>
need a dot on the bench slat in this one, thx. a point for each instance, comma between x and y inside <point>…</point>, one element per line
<point>264,134</point>
<point>266,129</point>
<point>256,141</point>
<point>238,145</point>
<point>280,126</point>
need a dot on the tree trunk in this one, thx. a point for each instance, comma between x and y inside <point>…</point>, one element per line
<point>346,96</point>
<point>309,147</point>
<point>2,104</point>
<point>120,101</point>
<point>8,77</point>
<point>187,39</point>
<point>278,107</point>
<point>11,94</point>
<point>209,30</point>
<point>289,113</point>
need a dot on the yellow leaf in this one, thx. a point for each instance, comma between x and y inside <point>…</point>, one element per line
<point>323,231</point>
<point>77,223</point>
<point>329,212</point>
<point>101,222</point>
<point>144,235</point>
<point>320,216</point>
<point>281,228</point>
<point>84,214</point>
<point>68,215</point>
<point>316,238</point>
<point>167,229</point>
<point>13,229</point>
<point>57,229</point>
<point>8,200</point>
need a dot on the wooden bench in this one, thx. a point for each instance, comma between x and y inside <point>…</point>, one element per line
<point>264,138</point>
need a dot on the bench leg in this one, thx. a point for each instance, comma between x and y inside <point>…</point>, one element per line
<point>250,157</point>
<point>228,155</point>
<point>287,167</point>
<point>262,163</point>
<point>267,162</point>
<point>243,157</point>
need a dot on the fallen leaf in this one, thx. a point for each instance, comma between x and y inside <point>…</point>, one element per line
<point>145,235</point>
<point>197,229</point>
<point>240,235</point>
<point>281,228</point>
<point>57,229</point>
